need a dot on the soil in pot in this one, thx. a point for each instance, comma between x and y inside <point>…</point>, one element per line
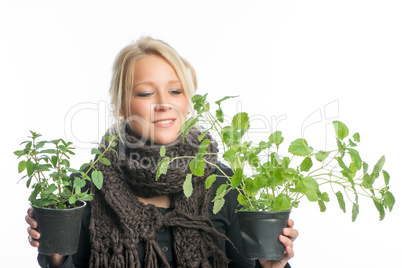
<point>260,231</point>
<point>59,229</point>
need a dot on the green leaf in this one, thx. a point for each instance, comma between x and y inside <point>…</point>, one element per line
<point>22,166</point>
<point>354,155</point>
<point>355,211</point>
<point>162,151</point>
<point>19,153</point>
<point>202,135</point>
<point>276,138</point>
<point>48,151</point>
<point>341,130</point>
<point>54,160</point>
<point>242,200</point>
<point>237,178</point>
<point>323,208</point>
<point>282,203</point>
<point>368,181</point>
<point>389,200</point>
<point>72,200</point>
<point>341,147</point>
<point>321,156</point>
<point>352,144</point>
<point>45,167</point>
<point>325,197</point>
<point>187,125</point>
<point>188,186</point>
<point>253,160</point>
<point>204,146</point>
<point>35,193</point>
<point>342,164</point>
<point>97,178</point>
<point>200,103</point>
<point>219,115</point>
<point>377,168</point>
<point>197,167</point>
<point>380,209</point>
<point>162,167</point>
<point>311,183</point>
<point>300,147</point>
<point>79,183</point>
<point>386,177</point>
<point>230,155</point>
<point>95,151</point>
<point>62,148</point>
<point>220,192</point>
<point>365,167</point>
<point>225,98</point>
<point>210,180</point>
<point>72,170</point>
<point>218,204</point>
<point>50,189</point>
<point>306,164</point>
<point>229,136</point>
<point>341,202</point>
<point>28,181</point>
<point>356,137</point>
<point>311,195</point>
<point>104,161</point>
<point>240,122</point>
<point>84,166</point>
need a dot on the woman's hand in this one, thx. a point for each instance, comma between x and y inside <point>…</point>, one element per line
<point>287,239</point>
<point>33,235</point>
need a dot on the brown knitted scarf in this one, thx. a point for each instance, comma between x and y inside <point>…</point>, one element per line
<point>119,221</point>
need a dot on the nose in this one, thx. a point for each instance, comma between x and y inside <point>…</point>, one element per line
<point>162,104</point>
<point>162,107</point>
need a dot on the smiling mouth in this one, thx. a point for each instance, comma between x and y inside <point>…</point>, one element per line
<point>165,122</point>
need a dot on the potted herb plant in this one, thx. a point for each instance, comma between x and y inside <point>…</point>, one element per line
<point>58,201</point>
<point>271,182</point>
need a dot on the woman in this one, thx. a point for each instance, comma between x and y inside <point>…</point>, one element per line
<point>135,221</point>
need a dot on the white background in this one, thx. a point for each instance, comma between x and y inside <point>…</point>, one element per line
<point>299,64</point>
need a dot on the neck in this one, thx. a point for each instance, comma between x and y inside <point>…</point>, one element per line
<point>162,201</point>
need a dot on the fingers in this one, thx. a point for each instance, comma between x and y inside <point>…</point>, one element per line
<point>33,235</point>
<point>29,218</point>
<point>286,241</point>
<point>290,232</point>
<point>33,242</point>
<point>289,253</point>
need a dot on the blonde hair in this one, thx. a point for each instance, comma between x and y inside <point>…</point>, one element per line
<point>121,85</point>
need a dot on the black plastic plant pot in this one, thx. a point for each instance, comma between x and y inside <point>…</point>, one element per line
<point>260,231</point>
<point>59,229</point>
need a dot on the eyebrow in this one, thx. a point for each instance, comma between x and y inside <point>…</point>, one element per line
<point>150,83</point>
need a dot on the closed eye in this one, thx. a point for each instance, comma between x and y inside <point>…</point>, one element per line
<point>175,91</point>
<point>144,94</point>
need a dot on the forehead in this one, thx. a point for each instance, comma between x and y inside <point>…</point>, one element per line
<point>153,67</point>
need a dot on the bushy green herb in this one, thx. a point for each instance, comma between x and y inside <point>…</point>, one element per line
<point>47,165</point>
<point>277,182</point>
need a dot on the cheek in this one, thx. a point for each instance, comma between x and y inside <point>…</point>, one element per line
<point>184,106</point>
<point>139,108</point>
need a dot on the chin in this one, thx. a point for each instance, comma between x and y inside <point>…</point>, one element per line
<point>164,139</point>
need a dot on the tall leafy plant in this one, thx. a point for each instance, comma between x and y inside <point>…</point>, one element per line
<point>46,165</point>
<point>268,180</point>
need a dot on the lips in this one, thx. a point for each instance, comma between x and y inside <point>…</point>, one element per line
<point>164,122</point>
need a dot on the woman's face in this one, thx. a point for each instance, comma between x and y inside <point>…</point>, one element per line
<point>158,105</point>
